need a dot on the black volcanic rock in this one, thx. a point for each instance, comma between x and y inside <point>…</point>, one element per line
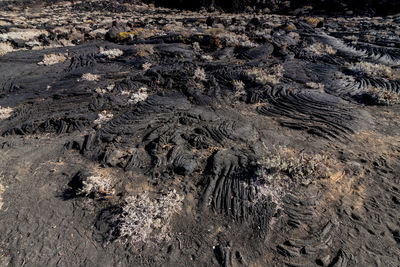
<point>340,7</point>
<point>237,140</point>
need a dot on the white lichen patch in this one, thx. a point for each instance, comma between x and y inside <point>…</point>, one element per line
<point>111,53</point>
<point>200,74</point>
<point>5,113</point>
<point>139,96</point>
<point>90,77</point>
<point>103,91</point>
<point>372,69</point>
<point>100,91</point>
<point>5,48</point>
<point>264,76</point>
<point>207,57</point>
<point>52,59</point>
<point>144,217</point>
<point>104,116</point>
<point>135,97</point>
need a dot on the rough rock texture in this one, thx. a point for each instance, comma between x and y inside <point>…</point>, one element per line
<point>132,135</point>
<point>343,7</point>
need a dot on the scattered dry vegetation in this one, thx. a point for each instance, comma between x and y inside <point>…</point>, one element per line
<point>52,59</point>
<point>90,77</point>
<point>96,185</point>
<point>264,76</point>
<point>301,167</point>
<point>372,69</point>
<point>314,21</point>
<point>144,217</point>
<point>111,53</point>
<point>321,49</point>
<point>238,85</point>
<point>383,97</point>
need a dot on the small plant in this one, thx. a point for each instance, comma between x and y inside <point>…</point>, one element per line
<point>372,69</point>
<point>234,39</point>
<point>313,20</point>
<point>317,86</point>
<point>238,85</point>
<point>269,76</point>
<point>146,66</point>
<point>5,113</point>
<point>383,97</point>
<point>111,53</point>
<point>52,59</point>
<point>239,88</point>
<point>200,74</point>
<point>144,217</point>
<point>129,35</point>
<point>321,49</point>
<point>96,185</point>
<point>104,116</point>
<point>90,77</point>
<point>300,166</point>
